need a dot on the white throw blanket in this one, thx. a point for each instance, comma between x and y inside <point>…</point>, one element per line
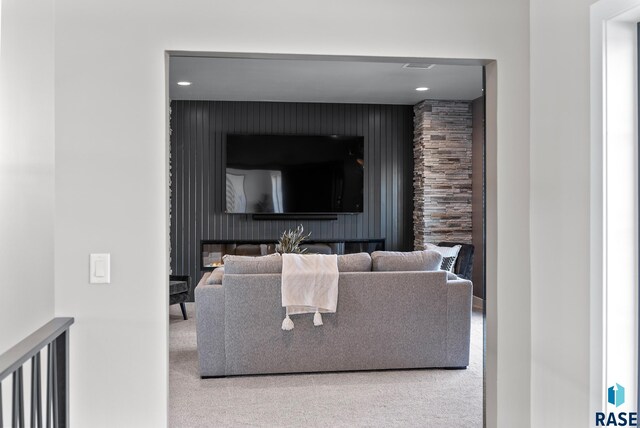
<point>309,285</point>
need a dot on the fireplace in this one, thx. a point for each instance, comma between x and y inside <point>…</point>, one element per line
<point>212,251</point>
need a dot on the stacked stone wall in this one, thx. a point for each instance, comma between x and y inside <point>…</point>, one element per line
<point>442,172</point>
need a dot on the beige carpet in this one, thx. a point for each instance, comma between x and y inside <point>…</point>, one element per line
<point>393,398</point>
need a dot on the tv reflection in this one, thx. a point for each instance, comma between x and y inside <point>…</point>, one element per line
<point>254,190</point>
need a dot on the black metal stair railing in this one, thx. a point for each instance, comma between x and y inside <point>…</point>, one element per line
<point>55,337</point>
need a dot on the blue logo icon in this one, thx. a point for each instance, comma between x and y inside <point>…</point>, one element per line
<point>615,395</point>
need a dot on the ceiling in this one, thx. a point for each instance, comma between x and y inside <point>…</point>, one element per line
<point>323,81</point>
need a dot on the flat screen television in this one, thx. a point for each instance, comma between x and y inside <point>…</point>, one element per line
<point>294,174</point>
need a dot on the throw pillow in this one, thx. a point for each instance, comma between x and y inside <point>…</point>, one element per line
<point>216,276</point>
<point>406,261</point>
<point>357,262</point>
<point>249,265</point>
<point>448,263</point>
<point>449,255</point>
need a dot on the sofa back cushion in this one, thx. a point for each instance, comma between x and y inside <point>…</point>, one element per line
<point>357,262</point>
<point>406,261</point>
<point>250,265</point>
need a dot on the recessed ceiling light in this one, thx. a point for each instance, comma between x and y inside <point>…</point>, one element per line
<point>420,66</point>
<point>422,88</point>
<point>184,83</point>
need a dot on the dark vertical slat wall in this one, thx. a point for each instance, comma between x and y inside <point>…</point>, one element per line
<point>198,138</point>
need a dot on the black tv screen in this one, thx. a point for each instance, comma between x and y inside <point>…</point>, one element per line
<point>294,174</point>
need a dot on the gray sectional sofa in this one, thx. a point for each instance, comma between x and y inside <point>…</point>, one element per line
<point>386,319</point>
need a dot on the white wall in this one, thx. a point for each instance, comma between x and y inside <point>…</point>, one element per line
<point>110,140</point>
<point>560,173</point>
<point>111,168</point>
<point>26,173</point>
<point>26,168</point>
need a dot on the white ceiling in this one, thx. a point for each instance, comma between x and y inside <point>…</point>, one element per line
<point>324,81</point>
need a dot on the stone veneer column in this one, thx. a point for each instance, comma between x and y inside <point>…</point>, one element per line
<point>442,172</point>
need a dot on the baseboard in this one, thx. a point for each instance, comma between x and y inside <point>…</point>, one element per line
<point>478,302</point>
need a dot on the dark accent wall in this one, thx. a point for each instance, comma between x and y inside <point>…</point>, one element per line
<point>198,136</point>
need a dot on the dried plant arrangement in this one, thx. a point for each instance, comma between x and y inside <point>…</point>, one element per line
<point>291,240</point>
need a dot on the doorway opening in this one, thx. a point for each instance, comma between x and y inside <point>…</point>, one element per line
<point>383,100</point>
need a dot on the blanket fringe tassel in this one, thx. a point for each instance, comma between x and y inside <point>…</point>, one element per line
<point>317,319</point>
<point>287,324</point>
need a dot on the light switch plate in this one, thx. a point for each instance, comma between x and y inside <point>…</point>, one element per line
<point>100,268</point>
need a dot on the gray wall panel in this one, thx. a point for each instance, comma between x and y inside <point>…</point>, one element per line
<point>199,130</point>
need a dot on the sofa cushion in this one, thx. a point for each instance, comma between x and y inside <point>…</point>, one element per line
<point>177,287</point>
<point>357,262</point>
<point>406,261</point>
<point>249,265</point>
<point>449,256</point>
<point>215,277</point>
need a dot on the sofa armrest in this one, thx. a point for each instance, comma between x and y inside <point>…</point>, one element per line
<point>459,299</point>
<point>210,327</point>
<point>204,278</point>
